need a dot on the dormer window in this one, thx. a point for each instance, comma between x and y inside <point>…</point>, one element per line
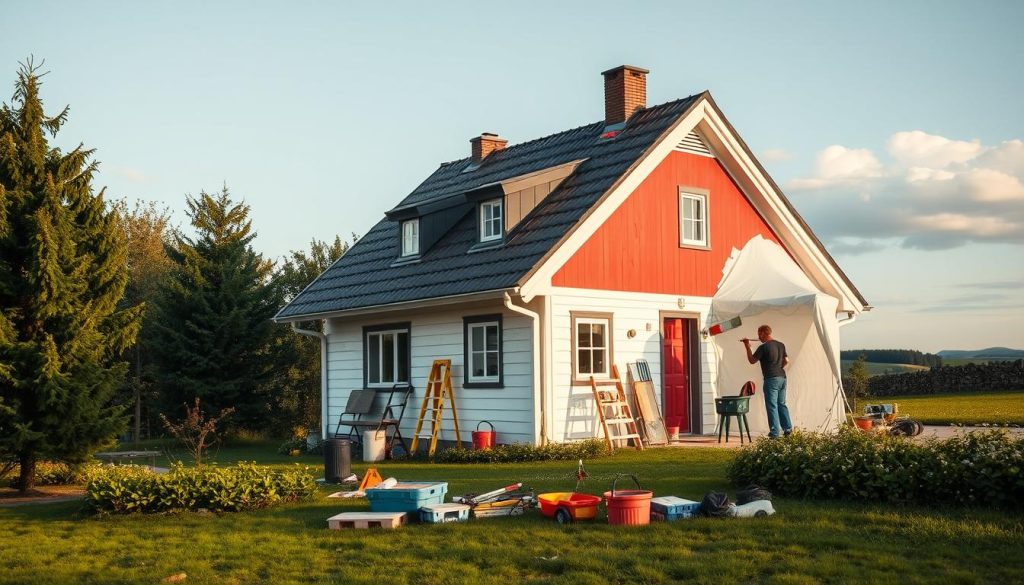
<point>411,237</point>
<point>491,228</point>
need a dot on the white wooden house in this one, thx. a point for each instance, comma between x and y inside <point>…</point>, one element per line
<point>535,266</point>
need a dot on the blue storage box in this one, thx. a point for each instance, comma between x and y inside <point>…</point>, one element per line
<point>441,513</point>
<point>673,508</point>
<point>407,496</point>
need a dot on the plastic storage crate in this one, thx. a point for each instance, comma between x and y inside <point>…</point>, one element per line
<point>673,508</point>
<point>441,513</point>
<point>407,496</point>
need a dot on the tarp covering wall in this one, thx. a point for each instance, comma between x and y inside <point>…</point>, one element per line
<point>764,286</point>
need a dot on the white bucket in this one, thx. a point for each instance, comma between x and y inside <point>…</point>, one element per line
<point>374,445</point>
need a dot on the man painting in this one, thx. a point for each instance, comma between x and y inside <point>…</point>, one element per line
<point>774,359</point>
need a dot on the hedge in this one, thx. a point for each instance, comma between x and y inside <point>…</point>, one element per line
<point>520,452</point>
<point>1000,376</point>
<point>982,468</point>
<point>128,488</point>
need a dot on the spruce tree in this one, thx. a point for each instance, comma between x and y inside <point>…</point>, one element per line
<point>212,323</point>
<point>62,275</point>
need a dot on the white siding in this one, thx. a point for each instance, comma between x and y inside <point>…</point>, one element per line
<point>437,334</point>
<point>573,415</point>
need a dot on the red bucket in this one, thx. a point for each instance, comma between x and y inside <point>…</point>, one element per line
<point>628,507</point>
<point>484,439</point>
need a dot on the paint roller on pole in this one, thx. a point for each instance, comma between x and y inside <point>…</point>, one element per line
<point>724,326</point>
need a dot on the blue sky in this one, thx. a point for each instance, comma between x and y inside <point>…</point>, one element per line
<point>894,127</point>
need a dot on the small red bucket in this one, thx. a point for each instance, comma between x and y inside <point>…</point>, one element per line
<point>484,439</point>
<point>628,507</point>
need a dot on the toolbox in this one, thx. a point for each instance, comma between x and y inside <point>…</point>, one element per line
<point>673,508</point>
<point>406,496</point>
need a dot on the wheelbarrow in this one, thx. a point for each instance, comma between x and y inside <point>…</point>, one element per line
<point>568,507</point>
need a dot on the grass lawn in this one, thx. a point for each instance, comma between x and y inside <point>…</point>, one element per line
<point>879,368</point>
<point>965,409</point>
<point>806,542</point>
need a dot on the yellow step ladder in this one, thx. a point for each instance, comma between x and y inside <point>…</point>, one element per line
<point>439,388</point>
<point>618,424</point>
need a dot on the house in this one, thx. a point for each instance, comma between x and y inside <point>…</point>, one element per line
<point>535,266</point>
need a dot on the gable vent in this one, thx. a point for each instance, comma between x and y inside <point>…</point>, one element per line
<point>694,144</point>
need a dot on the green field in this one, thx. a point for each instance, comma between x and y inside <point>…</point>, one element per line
<point>806,542</point>
<point>965,409</point>
<point>876,368</point>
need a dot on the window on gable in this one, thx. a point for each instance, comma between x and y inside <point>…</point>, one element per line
<point>693,219</point>
<point>386,355</point>
<point>591,346</point>
<point>411,237</point>
<point>491,221</point>
<point>483,351</point>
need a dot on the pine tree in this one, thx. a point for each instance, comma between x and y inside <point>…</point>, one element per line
<point>212,323</point>
<point>62,276</point>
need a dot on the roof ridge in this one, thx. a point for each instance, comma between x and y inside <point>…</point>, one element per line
<point>577,128</point>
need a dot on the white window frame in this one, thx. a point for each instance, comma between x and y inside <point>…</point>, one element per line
<point>380,358</point>
<point>411,237</point>
<point>472,351</point>
<point>487,224</point>
<point>703,222</point>
<point>577,347</point>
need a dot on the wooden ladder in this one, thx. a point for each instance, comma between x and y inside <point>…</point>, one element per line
<point>439,387</point>
<point>620,416</point>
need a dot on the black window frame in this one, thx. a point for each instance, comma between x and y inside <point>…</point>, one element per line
<point>467,352</point>
<point>367,330</point>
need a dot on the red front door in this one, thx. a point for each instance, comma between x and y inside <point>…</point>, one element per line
<point>676,373</point>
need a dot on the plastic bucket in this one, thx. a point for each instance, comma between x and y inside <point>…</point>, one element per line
<point>628,507</point>
<point>864,423</point>
<point>484,439</point>
<point>374,444</point>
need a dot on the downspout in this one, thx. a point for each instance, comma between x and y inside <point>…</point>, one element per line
<point>323,372</point>
<point>535,320</point>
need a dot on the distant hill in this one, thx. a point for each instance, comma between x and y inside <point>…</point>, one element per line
<point>1001,353</point>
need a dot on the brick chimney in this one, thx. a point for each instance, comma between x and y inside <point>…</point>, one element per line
<point>485,144</point>
<point>625,92</point>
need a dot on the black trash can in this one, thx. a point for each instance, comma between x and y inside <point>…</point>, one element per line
<point>337,460</point>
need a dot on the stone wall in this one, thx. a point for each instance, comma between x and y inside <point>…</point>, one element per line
<point>990,377</point>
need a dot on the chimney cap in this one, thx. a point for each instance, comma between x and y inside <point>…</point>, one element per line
<point>626,67</point>
<point>488,136</point>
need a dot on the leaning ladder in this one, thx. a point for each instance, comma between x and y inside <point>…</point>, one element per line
<point>439,388</point>
<point>619,424</point>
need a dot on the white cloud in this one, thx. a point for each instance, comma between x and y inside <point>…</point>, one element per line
<point>921,149</point>
<point>776,155</point>
<point>933,193</point>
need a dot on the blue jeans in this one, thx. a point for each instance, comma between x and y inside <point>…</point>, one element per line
<point>775,404</point>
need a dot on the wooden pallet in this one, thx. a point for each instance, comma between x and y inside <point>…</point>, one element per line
<point>366,520</point>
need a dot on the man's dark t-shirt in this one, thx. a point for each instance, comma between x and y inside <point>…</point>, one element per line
<point>771,354</point>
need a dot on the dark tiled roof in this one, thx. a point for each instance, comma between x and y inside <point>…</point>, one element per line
<point>365,277</point>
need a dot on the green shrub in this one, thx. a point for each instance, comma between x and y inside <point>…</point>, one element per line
<point>974,468</point>
<point>56,473</point>
<point>246,486</point>
<point>300,445</point>
<point>519,452</point>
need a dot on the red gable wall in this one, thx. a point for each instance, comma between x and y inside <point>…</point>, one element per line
<point>637,249</point>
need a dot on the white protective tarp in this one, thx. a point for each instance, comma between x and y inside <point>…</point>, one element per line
<point>764,286</point>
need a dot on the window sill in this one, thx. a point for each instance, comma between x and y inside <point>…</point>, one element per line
<point>695,247</point>
<point>598,381</point>
<point>485,246</point>
<point>491,385</point>
<point>402,261</point>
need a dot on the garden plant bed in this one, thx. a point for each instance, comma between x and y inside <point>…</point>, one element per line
<point>40,495</point>
<point>805,542</point>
